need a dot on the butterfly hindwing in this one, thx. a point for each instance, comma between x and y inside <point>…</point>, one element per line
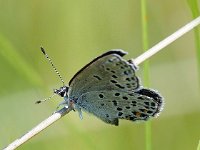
<point>112,105</point>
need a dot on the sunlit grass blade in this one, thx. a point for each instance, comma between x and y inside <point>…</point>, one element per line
<point>8,52</point>
<point>198,148</point>
<point>148,134</point>
<point>193,4</point>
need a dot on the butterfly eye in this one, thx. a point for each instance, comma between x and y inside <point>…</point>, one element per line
<point>62,91</point>
<point>56,91</point>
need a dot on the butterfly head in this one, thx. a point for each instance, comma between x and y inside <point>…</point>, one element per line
<point>62,91</point>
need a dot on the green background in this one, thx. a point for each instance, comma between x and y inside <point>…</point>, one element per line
<point>73,32</point>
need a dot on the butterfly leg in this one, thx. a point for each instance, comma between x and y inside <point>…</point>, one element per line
<point>60,104</point>
<point>65,102</point>
<point>79,111</point>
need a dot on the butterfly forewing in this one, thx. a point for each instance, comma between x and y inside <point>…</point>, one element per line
<point>107,72</point>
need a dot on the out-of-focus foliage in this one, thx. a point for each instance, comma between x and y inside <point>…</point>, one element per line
<point>193,4</point>
<point>73,33</point>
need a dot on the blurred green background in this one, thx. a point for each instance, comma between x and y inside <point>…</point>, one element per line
<point>73,32</point>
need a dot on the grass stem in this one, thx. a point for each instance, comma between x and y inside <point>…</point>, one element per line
<point>145,43</point>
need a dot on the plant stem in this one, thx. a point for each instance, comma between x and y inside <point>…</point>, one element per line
<point>155,49</point>
<point>148,131</point>
<point>37,129</point>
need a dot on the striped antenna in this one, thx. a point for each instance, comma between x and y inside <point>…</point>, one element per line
<point>40,101</point>
<point>43,51</point>
<point>46,99</point>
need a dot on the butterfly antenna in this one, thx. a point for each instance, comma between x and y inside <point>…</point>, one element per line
<point>43,51</point>
<point>46,99</point>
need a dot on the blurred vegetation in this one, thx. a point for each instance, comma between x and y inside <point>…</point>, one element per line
<point>193,4</point>
<point>73,33</point>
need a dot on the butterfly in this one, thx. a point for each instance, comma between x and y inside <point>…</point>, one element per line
<point>108,88</point>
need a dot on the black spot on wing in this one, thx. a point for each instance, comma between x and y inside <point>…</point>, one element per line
<point>97,77</point>
<point>117,52</point>
<point>125,98</point>
<point>101,96</point>
<point>113,81</point>
<point>120,114</point>
<point>117,94</point>
<point>119,109</point>
<point>114,76</point>
<point>114,102</point>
